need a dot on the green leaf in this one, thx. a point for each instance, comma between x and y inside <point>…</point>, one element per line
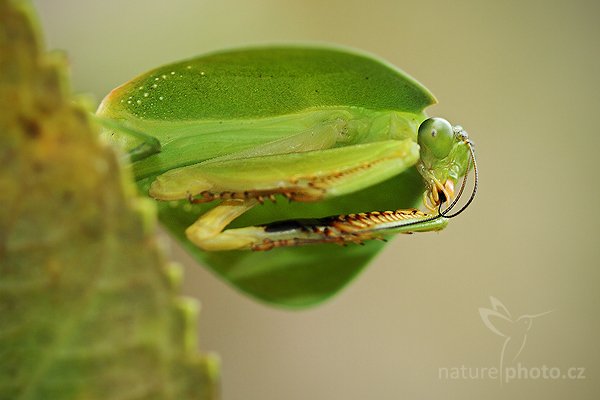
<point>88,306</point>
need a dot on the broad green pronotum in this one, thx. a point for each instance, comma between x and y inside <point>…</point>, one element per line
<point>309,125</point>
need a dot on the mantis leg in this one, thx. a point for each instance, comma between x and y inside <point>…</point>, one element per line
<point>245,179</point>
<point>137,144</point>
<point>309,176</point>
<point>300,176</point>
<point>208,231</point>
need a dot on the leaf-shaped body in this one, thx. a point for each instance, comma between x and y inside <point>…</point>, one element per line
<point>228,102</point>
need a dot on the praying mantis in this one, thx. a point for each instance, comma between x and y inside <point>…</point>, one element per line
<point>304,124</point>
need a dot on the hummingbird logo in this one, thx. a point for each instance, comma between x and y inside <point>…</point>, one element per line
<point>514,330</point>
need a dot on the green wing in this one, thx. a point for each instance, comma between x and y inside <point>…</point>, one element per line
<point>265,82</point>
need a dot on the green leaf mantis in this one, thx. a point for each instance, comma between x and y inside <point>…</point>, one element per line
<point>335,132</point>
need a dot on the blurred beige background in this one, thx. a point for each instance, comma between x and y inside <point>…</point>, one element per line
<point>522,78</point>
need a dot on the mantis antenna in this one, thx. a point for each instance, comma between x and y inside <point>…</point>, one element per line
<point>473,160</point>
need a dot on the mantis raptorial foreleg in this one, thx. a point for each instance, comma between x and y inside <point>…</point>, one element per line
<point>208,231</point>
<point>303,167</point>
<point>307,176</point>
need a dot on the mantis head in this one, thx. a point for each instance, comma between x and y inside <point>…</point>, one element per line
<point>446,155</point>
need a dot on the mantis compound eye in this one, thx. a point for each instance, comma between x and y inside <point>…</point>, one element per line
<point>437,136</point>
